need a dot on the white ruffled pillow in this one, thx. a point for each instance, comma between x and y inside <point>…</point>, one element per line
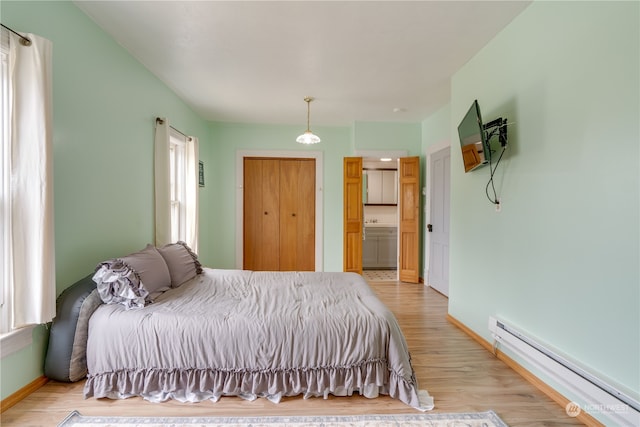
<point>117,283</point>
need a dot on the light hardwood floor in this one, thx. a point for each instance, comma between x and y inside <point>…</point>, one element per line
<point>459,373</point>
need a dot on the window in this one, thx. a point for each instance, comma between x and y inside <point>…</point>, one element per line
<point>177,183</point>
<point>176,186</point>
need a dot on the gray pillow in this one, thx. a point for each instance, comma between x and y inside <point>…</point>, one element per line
<point>152,269</point>
<point>134,280</point>
<point>182,262</point>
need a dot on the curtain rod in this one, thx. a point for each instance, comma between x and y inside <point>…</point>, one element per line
<point>159,120</point>
<point>24,40</point>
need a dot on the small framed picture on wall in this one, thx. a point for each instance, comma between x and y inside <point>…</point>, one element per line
<point>201,173</point>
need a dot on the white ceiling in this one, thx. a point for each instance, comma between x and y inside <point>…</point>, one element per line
<point>255,61</point>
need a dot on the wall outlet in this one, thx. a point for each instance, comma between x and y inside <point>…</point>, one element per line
<point>499,205</point>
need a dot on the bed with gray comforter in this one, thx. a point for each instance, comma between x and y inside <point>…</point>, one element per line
<point>252,334</point>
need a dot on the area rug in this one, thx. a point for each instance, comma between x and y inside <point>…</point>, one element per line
<point>474,419</point>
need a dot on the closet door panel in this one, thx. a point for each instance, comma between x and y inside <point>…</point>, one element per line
<point>297,215</point>
<point>261,243</point>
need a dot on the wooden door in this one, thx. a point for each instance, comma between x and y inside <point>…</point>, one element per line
<point>409,209</point>
<point>352,214</point>
<point>279,214</point>
<point>297,214</point>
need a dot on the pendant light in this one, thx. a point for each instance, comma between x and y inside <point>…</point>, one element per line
<point>308,137</point>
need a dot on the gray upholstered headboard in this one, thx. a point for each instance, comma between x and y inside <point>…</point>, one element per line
<point>66,354</point>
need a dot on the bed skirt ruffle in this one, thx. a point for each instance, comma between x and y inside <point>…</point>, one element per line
<point>370,379</point>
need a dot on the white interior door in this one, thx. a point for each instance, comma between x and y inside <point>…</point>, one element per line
<point>438,227</point>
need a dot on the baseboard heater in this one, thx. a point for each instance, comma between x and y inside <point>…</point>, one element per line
<point>596,397</point>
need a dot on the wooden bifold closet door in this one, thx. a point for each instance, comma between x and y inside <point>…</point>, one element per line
<point>279,214</point>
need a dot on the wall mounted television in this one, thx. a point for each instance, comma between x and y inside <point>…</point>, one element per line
<point>473,142</point>
<point>475,137</point>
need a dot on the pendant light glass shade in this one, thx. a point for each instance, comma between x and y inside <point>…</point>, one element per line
<point>308,137</point>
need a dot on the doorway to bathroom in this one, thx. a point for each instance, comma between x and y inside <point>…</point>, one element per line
<point>380,211</point>
<point>408,214</point>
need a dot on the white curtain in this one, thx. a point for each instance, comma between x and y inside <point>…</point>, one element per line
<point>163,191</point>
<point>31,163</point>
<point>191,201</point>
<point>162,183</point>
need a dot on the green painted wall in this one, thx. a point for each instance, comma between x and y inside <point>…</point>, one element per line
<point>436,129</point>
<point>388,136</point>
<point>229,138</point>
<point>561,259</point>
<point>105,103</point>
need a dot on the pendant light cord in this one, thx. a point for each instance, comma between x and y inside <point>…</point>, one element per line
<point>308,100</point>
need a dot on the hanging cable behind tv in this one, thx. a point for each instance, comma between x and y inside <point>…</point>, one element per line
<point>499,127</point>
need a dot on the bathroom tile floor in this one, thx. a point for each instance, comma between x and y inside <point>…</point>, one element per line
<point>380,275</point>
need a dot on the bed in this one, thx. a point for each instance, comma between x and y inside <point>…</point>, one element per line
<point>251,334</point>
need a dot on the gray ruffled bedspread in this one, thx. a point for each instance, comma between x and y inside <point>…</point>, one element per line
<point>252,334</point>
